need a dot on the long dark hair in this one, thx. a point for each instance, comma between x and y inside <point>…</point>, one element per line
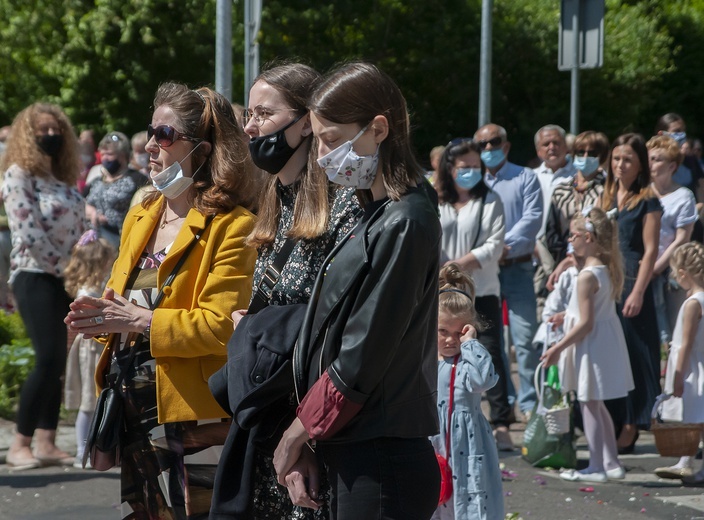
<point>640,189</point>
<point>357,92</point>
<point>445,184</point>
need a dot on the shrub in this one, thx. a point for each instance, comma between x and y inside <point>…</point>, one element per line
<point>16,361</point>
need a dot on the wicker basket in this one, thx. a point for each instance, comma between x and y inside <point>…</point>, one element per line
<point>674,439</point>
<point>557,421</point>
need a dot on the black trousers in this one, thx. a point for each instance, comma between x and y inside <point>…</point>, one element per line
<point>385,478</point>
<point>489,308</point>
<point>43,304</point>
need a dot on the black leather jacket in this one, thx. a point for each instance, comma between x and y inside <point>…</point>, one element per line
<point>373,323</point>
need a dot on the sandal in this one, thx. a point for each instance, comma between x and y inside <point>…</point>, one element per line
<point>21,464</point>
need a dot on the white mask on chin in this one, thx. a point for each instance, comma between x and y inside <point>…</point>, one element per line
<point>171,182</point>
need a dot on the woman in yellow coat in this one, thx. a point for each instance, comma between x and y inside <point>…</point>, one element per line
<point>197,167</point>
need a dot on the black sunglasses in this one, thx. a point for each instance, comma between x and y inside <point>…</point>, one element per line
<point>590,153</point>
<point>496,141</point>
<point>166,135</point>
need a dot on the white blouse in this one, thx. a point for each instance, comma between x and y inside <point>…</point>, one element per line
<point>459,231</point>
<point>46,218</point>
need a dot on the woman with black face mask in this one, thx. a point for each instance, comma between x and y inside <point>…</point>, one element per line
<point>46,216</point>
<point>302,216</point>
<point>108,198</point>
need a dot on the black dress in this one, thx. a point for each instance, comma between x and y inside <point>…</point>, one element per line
<point>641,331</point>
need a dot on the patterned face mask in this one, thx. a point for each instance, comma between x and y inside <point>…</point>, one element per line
<point>343,166</point>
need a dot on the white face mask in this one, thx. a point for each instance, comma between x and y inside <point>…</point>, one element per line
<point>170,181</point>
<point>343,166</point>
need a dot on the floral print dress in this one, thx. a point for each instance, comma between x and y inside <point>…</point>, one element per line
<point>46,218</point>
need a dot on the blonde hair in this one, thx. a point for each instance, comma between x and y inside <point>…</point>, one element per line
<point>668,145</point>
<point>457,295</point>
<point>604,231</point>
<point>89,266</point>
<point>690,258</point>
<point>23,150</point>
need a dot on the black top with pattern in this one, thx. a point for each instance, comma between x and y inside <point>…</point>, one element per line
<point>295,284</point>
<point>112,199</point>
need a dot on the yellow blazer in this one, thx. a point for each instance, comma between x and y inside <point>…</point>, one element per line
<point>191,327</point>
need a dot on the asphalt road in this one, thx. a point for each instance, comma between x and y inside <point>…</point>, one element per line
<point>68,493</point>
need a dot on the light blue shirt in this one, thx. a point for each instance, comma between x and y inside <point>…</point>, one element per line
<point>522,197</point>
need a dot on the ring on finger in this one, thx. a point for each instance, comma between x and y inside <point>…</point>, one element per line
<point>98,320</point>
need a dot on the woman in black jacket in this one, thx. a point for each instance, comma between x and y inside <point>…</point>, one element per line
<point>366,361</point>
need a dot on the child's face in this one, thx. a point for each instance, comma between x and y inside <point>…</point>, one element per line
<point>449,332</point>
<point>578,236</point>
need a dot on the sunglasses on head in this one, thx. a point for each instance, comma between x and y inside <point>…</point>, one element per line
<point>166,135</point>
<point>459,140</point>
<point>496,141</point>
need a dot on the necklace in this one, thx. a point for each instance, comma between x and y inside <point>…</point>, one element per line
<point>164,222</point>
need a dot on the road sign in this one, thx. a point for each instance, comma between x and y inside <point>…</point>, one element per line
<point>590,20</point>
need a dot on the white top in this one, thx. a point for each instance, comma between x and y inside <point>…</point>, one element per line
<point>548,180</point>
<point>678,210</point>
<point>46,217</point>
<point>459,230</point>
<point>597,367</point>
<point>556,302</point>
<point>690,408</point>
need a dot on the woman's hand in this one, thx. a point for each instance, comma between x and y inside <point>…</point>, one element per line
<point>237,316</point>
<point>110,314</point>
<point>303,481</point>
<point>633,305</point>
<point>565,264</point>
<point>288,451</point>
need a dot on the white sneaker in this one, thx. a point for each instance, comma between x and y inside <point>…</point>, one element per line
<point>576,476</point>
<point>616,473</point>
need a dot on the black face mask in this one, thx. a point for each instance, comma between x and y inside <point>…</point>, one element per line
<point>50,144</point>
<point>272,152</point>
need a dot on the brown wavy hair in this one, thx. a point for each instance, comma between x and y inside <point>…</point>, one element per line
<point>23,150</point>
<point>640,189</point>
<point>295,82</point>
<point>221,183</point>
<point>356,93</point>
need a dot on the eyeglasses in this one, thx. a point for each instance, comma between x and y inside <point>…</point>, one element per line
<point>166,135</point>
<point>496,141</point>
<point>262,114</point>
<point>590,153</point>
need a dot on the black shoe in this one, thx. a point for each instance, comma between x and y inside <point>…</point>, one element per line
<point>627,450</point>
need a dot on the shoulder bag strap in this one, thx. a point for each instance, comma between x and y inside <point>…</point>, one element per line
<point>271,275</point>
<point>450,406</point>
<point>160,296</point>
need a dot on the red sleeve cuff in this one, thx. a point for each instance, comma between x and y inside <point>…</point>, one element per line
<point>324,410</point>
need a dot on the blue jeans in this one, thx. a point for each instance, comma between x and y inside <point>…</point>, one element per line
<point>517,289</point>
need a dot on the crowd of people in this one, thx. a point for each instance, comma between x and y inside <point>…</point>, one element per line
<point>303,320</point>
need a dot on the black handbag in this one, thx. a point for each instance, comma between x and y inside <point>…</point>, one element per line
<point>108,424</point>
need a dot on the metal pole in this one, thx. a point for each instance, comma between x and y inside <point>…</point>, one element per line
<point>485,65</point>
<point>574,87</point>
<point>223,48</point>
<point>247,47</point>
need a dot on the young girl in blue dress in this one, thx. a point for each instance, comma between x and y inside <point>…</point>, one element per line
<point>598,367</point>
<point>472,455</point>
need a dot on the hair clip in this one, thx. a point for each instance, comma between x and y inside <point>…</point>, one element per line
<point>202,98</point>
<point>588,225</point>
<point>611,214</point>
<point>586,210</point>
<point>88,237</point>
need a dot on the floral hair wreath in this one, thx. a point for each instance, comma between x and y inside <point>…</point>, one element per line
<point>88,237</point>
<point>588,225</point>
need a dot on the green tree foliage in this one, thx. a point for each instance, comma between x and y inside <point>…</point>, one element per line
<point>102,60</point>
